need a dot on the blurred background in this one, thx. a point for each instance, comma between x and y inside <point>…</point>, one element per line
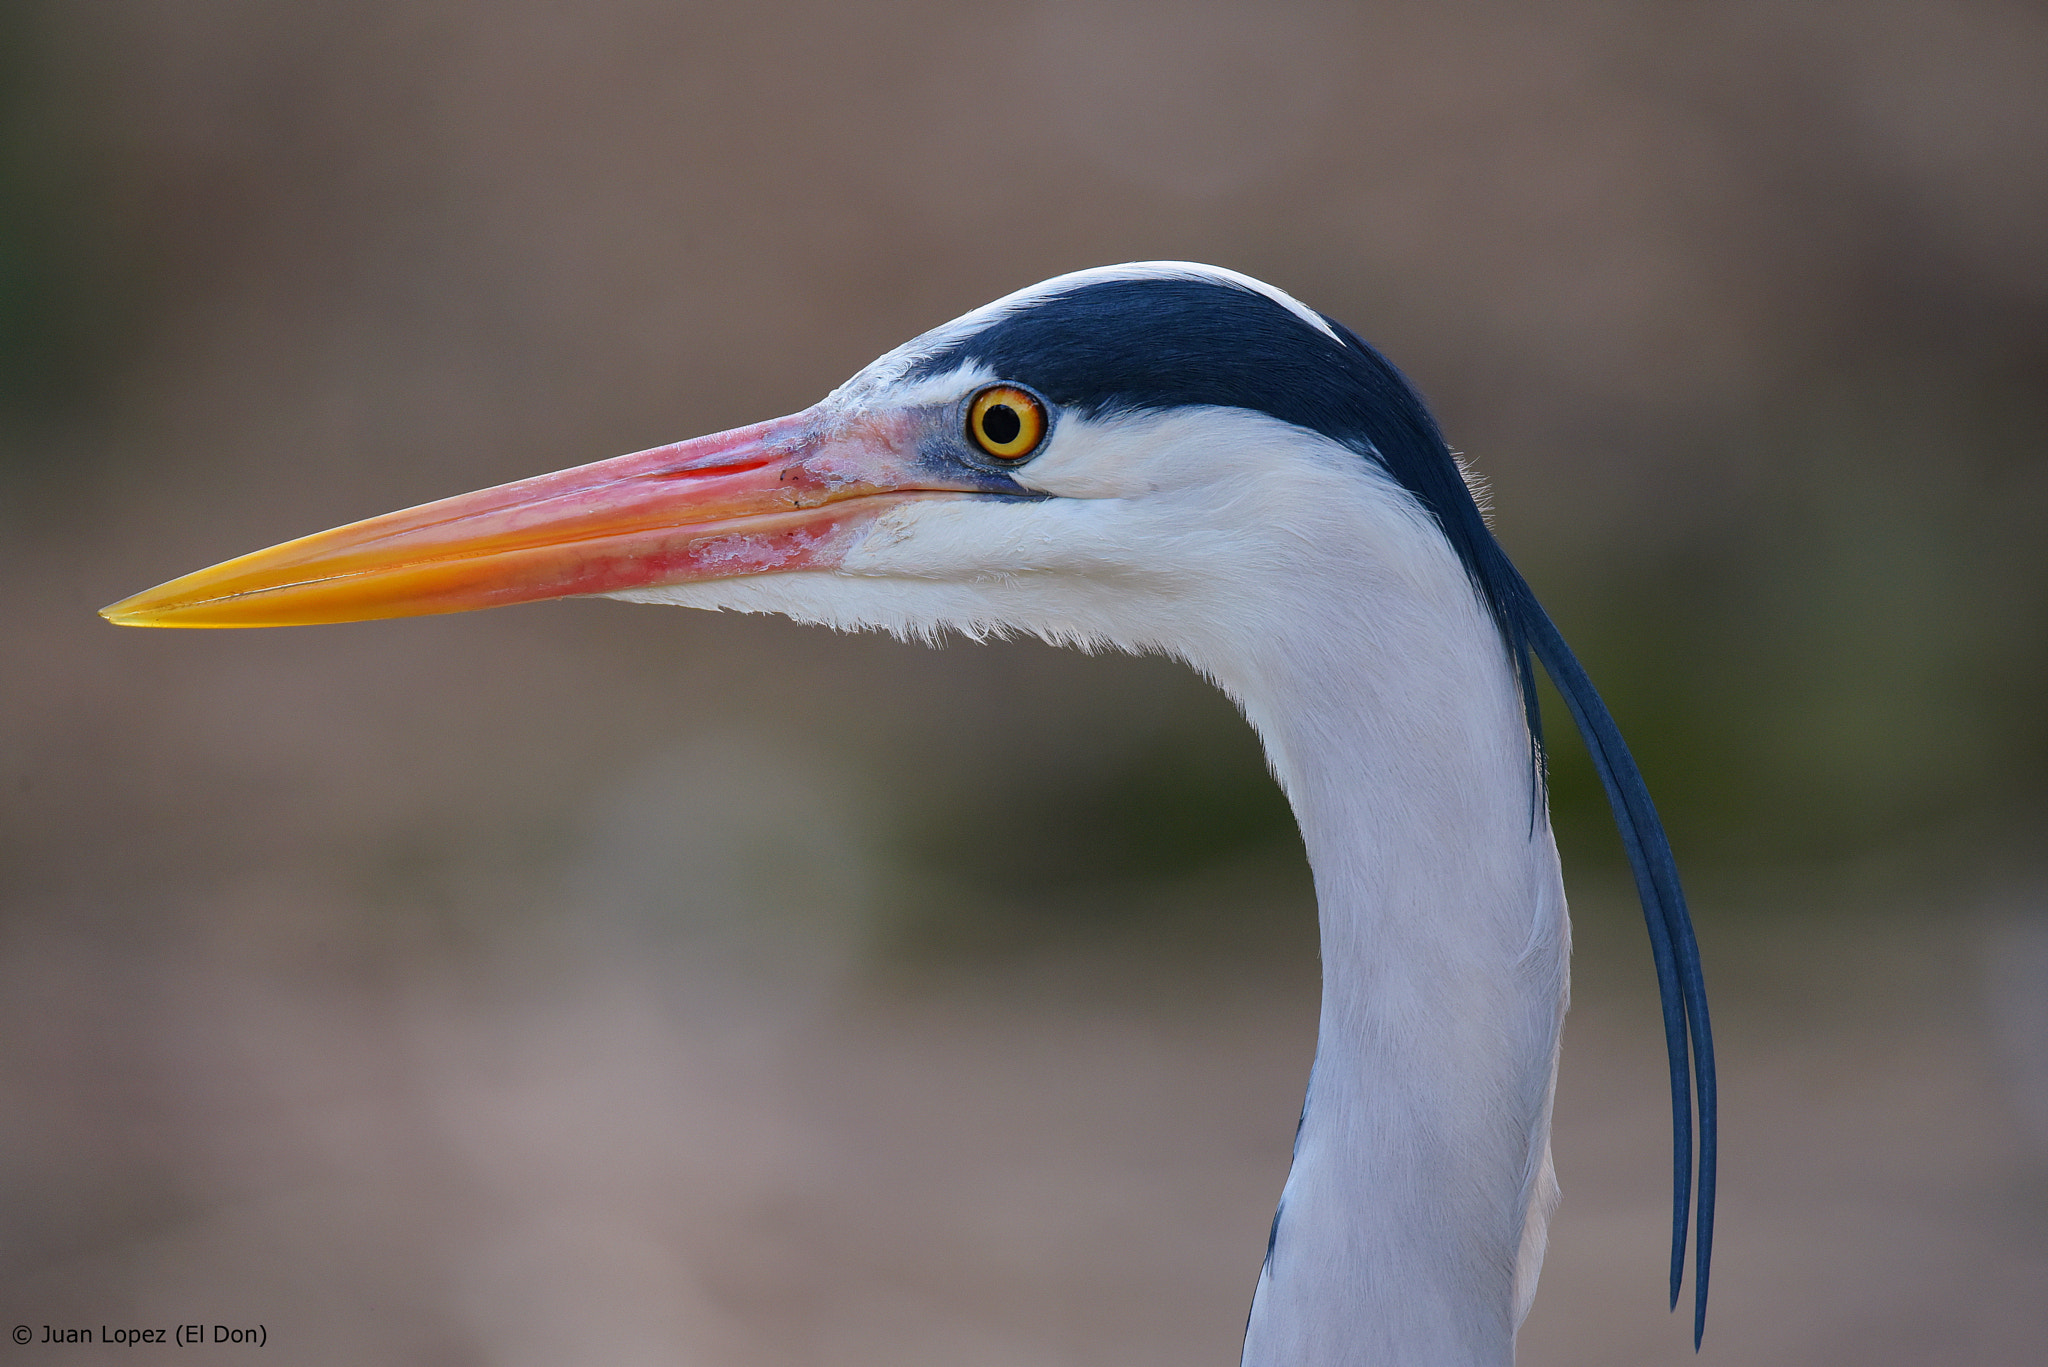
<point>595,983</point>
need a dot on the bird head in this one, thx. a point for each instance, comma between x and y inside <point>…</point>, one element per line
<point>1128,456</point>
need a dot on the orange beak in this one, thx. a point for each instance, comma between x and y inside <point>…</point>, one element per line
<point>795,493</point>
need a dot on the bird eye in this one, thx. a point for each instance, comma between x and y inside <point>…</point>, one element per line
<point>1006,422</point>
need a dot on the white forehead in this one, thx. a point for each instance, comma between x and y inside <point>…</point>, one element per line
<point>887,371</point>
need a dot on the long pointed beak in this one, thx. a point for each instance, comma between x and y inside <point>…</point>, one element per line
<point>789,494</point>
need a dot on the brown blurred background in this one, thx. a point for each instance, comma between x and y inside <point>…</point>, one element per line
<point>592,983</point>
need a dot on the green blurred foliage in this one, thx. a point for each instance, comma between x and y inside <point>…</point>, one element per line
<point>58,299</point>
<point>1166,839</point>
<point>1177,804</point>
<point>1853,662</point>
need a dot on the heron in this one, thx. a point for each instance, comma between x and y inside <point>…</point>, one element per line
<point>1172,458</point>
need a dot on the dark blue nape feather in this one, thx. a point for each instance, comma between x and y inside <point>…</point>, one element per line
<point>1161,342</point>
<point>1679,981</point>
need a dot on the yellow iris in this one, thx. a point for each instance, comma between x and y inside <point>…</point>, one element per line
<point>1005,421</point>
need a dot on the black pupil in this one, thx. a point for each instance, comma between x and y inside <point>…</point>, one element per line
<point>1000,424</point>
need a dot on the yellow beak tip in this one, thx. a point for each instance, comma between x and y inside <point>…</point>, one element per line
<point>129,613</point>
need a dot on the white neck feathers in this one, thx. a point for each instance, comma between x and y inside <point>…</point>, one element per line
<point>1412,1225</point>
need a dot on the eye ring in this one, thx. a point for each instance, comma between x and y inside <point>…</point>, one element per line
<point>1006,422</point>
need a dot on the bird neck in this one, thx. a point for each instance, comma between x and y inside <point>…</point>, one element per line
<point>1412,1222</point>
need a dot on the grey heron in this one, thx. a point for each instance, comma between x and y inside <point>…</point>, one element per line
<point>1173,458</point>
